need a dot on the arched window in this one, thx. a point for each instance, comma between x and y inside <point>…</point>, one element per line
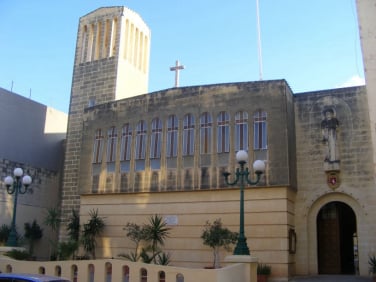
<point>138,182</point>
<point>111,144</point>
<point>223,132</point>
<point>172,136</point>
<point>156,139</point>
<point>126,143</point>
<point>260,131</point>
<point>205,133</point>
<point>188,135</point>
<point>98,147</point>
<point>141,131</point>
<point>154,185</point>
<point>241,131</point>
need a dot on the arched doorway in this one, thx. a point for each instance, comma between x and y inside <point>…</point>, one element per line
<point>336,228</point>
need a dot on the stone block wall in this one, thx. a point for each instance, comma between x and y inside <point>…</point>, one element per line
<point>355,184</point>
<point>42,194</point>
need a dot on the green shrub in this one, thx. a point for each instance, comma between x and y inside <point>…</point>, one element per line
<point>264,269</point>
<point>4,233</point>
<point>372,264</point>
<point>18,255</point>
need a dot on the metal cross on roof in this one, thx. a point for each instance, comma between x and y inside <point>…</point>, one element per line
<point>176,69</point>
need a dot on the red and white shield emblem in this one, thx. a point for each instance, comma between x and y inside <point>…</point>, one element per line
<point>332,178</point>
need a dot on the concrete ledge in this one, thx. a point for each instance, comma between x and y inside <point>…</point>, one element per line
<point>241,259</point>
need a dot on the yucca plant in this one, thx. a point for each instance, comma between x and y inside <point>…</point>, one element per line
<point>372,264</point>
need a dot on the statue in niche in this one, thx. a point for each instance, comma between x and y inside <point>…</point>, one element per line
<point>329,127</point>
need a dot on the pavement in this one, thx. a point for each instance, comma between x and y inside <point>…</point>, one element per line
<point>331,278</point>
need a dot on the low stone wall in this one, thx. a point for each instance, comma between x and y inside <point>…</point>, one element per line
<point>122,270</point>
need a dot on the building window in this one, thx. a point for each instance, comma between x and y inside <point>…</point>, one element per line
<point>111,144</point>
<point>156,139</point>
<point>154,185</point>
<point>188,135</point>
<point>205,178</point>
<point>259,131</point>
<point>98,147</point>
<point>126,142</point>
<point>205,133</point>
<point>172,136</point>
<point>223,132</point>
<point>141,131</point>
<point>241,131</point>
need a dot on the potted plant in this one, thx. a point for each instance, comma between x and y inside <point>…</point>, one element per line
<point>217,236</point>
<point>372,266</point>
<point>263,272</point>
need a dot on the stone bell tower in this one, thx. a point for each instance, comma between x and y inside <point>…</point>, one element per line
<point>111,63</point>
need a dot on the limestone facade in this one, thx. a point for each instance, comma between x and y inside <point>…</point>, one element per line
<point>311,212</point>
<point>355,172</point>
<point>295,186</point>
<point>190,189</point>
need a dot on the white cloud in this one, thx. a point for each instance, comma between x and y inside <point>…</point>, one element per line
<point>355,80</point>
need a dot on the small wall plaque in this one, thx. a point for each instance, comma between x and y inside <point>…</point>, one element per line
<point>171,219</point>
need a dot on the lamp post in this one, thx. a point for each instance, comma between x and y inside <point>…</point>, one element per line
<point>15,186</point>
<point>241,176</point>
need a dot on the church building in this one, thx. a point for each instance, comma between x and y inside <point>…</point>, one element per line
<point>132,154</point>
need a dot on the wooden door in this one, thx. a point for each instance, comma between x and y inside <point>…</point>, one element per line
<point>328,235</point>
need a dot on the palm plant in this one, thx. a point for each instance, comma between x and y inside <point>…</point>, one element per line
<point>372,265</point>
<point>69,248</point>
<point>33,232</point>
<point>156,233</point>
<point>93,228</point>
<point>53,220</point>
<point>153,234</point>
<point>4,233</point>
<point>163,259</point>
<point>73,226</point>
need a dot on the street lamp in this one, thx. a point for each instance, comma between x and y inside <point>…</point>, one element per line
<point>242,177</point>
<point>15,186</point>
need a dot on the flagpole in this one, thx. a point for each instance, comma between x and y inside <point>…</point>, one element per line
<point>259,38</point>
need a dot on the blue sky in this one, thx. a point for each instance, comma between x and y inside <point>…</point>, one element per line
<point>313,44</point>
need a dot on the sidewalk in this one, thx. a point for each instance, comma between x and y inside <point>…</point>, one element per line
<point>331,278</point>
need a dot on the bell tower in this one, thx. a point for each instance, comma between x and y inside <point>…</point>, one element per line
<point>111,63</point>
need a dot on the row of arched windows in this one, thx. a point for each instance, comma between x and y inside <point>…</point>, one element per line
<point>205,125</point>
